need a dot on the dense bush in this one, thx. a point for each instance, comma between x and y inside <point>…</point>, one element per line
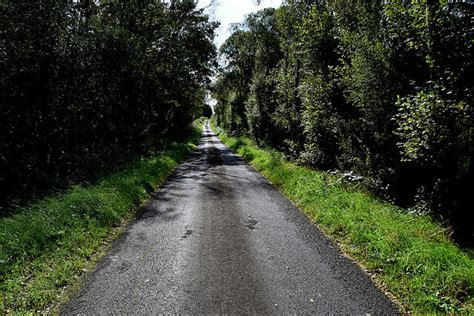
<point>85,85</point>
<point>382,89</point>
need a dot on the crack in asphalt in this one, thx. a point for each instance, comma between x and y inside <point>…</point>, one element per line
<point>218,238</point>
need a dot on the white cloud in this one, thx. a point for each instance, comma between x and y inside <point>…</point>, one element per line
<point>232,11</point>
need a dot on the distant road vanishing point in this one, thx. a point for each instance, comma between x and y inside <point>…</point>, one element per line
<point>219,238</point>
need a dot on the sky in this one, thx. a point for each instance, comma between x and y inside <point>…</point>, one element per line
<point>232,11</point>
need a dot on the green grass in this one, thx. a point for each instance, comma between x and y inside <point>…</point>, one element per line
<point>46,247</point>
<point>412,257</point>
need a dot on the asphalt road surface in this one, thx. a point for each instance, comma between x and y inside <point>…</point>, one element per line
<point>219,238</point>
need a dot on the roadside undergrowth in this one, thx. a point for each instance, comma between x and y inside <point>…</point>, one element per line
<point>46,247</point>
<point>412,256</point>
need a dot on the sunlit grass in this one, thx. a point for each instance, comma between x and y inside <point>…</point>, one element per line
<point>47,246</point>
<point>412,256</point>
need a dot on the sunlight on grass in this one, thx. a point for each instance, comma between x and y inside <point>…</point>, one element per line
<point>45,247</point>
<point>413,257</point>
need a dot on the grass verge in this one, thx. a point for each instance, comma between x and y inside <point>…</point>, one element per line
<point>413,257</point>
<point>46,247</point>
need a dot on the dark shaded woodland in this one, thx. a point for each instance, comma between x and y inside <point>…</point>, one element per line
<point>88,85</point>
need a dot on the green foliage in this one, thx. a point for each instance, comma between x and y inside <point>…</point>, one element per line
<point>426,124</point>
<point>412,256</point>
<point>238,52</point>
<point>267,55</point>
<point>437,135</point>
<point>89,85</point>
<point>46,246</point>
<point>383,90</point>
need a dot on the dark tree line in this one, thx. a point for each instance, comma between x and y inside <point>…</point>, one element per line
<point>86,85</point>
<point>380,89</point>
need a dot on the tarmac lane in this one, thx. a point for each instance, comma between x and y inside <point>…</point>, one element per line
<point>218,238</point>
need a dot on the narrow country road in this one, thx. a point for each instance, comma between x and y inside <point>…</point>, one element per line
<point>219,238</point>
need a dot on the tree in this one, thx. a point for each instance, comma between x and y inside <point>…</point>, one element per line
<point>87,85</point>
<point>381,89</point>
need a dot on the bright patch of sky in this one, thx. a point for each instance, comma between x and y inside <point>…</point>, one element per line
<point>232,11</point>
